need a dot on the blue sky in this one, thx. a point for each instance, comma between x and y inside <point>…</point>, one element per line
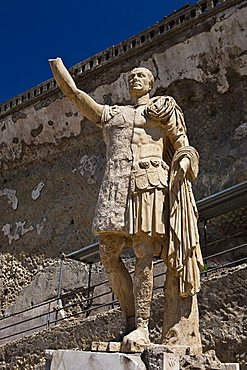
<point>33,31</point>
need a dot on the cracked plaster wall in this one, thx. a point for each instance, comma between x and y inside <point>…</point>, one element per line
<point>52,159</point>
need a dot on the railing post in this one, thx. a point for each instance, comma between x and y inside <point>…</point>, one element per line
<point>48,316</point>
<point>198,10</point>
<point>89,301</point>
<point>59,286</point>
<point>205,245</point>
<point>113,299</point>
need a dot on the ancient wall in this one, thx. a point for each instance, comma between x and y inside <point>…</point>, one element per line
<point>222,306</point>
<point>52,159</point>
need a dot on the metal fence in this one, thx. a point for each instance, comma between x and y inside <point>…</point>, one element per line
<point>51,312</point>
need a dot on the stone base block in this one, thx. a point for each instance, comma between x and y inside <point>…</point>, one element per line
<point>158,357</point>
<point>153,358</point>
<point>136,348</point>
<point>79,360</point>
<point>230,366</point>
<point>117,347</point>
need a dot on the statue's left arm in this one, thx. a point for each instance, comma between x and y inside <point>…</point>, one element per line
<point>166,110</point>
<point>184,255</point>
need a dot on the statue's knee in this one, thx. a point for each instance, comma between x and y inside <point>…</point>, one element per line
<point>143,249</point>
<point>110,250</point>
<point>105,255</point>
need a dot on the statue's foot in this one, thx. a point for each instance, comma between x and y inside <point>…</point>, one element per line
<point>121,336</point>
<point>129,327</point>
<point>139,337</point>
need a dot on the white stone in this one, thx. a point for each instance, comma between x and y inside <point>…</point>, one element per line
<point>11,196</point>
<point>171,361</point>
<point>241,131</point>
<point>78,360</point>
<point>37,190</point>
<point>230,366</point>
<point>87,168</point>
<point>15,232</point>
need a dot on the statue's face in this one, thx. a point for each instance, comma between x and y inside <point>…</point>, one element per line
<point>139,82</point>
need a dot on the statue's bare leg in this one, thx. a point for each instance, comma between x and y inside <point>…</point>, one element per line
<point>110,249</point>
<point>143,290</point>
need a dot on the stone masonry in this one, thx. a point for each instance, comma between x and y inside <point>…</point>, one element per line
<point>222,305</point>
<point>52,160</point>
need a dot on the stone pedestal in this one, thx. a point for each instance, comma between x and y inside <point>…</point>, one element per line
<point>160,358</point>
<point>153,357</point>
<point>82,360</point>
<point>181,320</point>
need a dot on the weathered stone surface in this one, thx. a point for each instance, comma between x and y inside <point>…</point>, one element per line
<point>205,361</point>
<point>77,360</point>
<point>219,327</point>
<point>210,83</point>
<point>218,308</point>
<point>156,357</point>
<point>160,358</point>
<point>152,358</point>
<point>145,197</point>
<point>195,66</point>
<point>43,288</point>
<point>38,319</point>
<point>44,285</point>
<point>229,366</point>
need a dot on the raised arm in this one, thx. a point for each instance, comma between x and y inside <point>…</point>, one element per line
<point>86,105</point>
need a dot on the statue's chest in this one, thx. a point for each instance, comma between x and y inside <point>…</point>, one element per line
<point>140,119</point>
<point>146,130</point>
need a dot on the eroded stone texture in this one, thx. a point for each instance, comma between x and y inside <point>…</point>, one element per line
<point>180,320</point>
<point>159,358</point>
<point>35,248</point>
<point>146,200</point>
<point>152,358</point>
<point>210,83</point>
<point>214,314</point>
<point>44,285</point>
<point>77,360</point>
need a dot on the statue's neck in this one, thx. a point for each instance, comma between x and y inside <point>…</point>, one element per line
<point>142,100</point>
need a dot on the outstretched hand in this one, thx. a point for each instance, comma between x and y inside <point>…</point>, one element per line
<point>62,76</point>
<point>55,61</point>
<point>86,105</point>
<point>55,64</point>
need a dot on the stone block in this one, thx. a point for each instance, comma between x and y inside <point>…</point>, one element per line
<point>153,358</point>
<point>114,347</point>
<point>230,366</point>
<point>105,347</point>
<point>158,357</point>
<point>170,361</point>
<point>79,360</point>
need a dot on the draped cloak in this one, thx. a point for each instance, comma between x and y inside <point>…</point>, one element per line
<point>183,256</point>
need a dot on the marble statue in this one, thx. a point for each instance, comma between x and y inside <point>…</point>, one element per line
<point>146,200</point>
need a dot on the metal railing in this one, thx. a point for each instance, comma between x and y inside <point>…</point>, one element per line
<point>90,253</point>
<point>90,307</point>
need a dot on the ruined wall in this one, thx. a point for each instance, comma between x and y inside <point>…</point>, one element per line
<point>52,159</point>
<point>222,305</point>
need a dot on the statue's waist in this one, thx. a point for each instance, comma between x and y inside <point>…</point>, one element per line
<point>149,173</point>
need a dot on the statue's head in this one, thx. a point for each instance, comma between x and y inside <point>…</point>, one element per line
<point>141,81</point>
